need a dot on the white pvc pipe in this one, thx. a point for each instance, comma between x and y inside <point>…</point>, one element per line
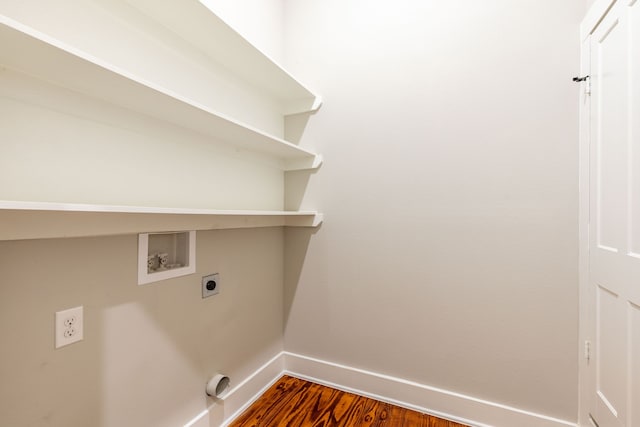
<point>218,385</point>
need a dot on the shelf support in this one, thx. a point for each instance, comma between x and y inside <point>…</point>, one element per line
<point>304,164</point>
<point>304,221</point>
<point>310,105</point>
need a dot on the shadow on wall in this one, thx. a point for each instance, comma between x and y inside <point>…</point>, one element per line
<point>296,182</point>
<point>295,124</point>
<point>296,240</point>
<point>296,244</point>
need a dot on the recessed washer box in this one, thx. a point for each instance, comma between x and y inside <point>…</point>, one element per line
<point>162,256</point>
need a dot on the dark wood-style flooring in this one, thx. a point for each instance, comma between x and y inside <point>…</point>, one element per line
<point>293,402</point>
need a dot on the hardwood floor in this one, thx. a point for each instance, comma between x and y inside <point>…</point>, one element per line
<point>293,402</point>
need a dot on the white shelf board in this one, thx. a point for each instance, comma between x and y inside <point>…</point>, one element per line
<point>20,220</point>
<point>30,52</point>
<point>196,22</point>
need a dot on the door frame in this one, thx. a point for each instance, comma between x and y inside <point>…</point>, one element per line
<point>586,299</point>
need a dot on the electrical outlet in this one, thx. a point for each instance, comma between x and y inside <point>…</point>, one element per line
<point>69,326</point>
<point>210,285</point>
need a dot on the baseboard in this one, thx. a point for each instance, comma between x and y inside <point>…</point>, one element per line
<point>223,411</point>
<point>408,394</point>
<point>441,403</point>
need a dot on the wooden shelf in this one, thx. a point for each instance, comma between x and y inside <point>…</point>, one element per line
<point>195,22</point>
<point>30,52</point>
<point>41,220</point>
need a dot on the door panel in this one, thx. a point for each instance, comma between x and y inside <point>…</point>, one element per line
<point>614,230</point>
<point>611,140</point>
<point>610,338</point>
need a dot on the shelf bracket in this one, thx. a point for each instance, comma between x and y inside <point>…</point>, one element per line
<point>304,164</point>
<point>317,103</point>
<point>299,221</point>
<point>307,105</point>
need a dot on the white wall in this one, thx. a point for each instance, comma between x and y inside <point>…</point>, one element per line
<point>449,251</point>
<point>149,350</point>
<point>259,21</point>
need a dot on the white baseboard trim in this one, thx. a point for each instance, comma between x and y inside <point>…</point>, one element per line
<point>223,411</point>
<point>409,394</point>
<point>249,390</point>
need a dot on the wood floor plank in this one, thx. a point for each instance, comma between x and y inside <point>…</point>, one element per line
<point>292,402</point>
<point>272,401</point>
<point>368,414</point>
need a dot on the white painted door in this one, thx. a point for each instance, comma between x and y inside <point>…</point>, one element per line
<point>614,230</point>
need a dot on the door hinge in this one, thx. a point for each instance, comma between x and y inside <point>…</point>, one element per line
<point>587,350</point>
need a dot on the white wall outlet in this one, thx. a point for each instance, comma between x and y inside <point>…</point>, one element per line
<point>69,328</point>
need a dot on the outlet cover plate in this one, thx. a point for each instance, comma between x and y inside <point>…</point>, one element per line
<point>69,326</point>
<point>206,292</point>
